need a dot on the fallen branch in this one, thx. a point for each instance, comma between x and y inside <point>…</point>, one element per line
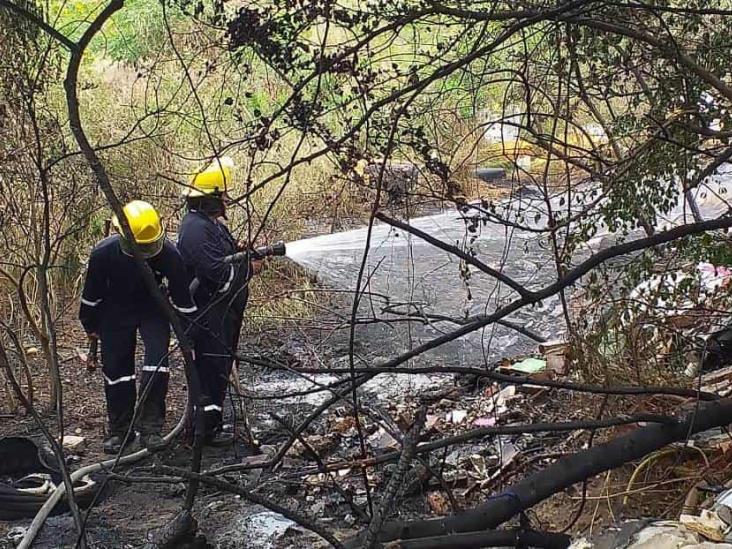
<point>490,374</point>
<point>498,538</point>
<point>395,482</point>
<point>426,447</point>
<point>564,473</point>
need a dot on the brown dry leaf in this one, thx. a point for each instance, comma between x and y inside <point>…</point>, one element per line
<point>725,446</point>
<point>430,422</point>
<point>438,502</point>
<point>344,424</point>
<point>320,444</point>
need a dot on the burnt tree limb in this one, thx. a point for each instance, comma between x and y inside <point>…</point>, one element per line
<point>395,482</point>
<point>564,473</point>
<point>495,538</point>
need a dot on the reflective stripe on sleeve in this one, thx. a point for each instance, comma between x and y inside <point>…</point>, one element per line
<point>185,310</point>
<point>212,408</point>
<point>228,282</point>
<point>90,303</point>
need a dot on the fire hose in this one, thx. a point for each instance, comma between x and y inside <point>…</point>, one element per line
<point>79,474</point>
<point>272,250</point>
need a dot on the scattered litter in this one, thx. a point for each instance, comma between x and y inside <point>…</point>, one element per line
<point>321,444</point>
<point>16,534</point>
<point>555,353</point>
<point>581,543</point>
<point>344,425</point>
<point>671,535</point>
<point>457,416</point>
<point>460,454</point>
<point>256,460</point>
<point>73,443</point>
<point>528,366</point>
<point>718,381</point>
<point>498,403</point>
<point>725,498</point>
<point>216,505</point>
<point>485,422</point>
<point>430,422</point>
<point>383,440</point>
<point>708,524</point>
<point>507,452</point>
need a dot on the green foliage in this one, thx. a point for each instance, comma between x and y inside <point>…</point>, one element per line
<point>134,34</point>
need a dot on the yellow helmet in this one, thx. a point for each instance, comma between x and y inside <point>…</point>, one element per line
<point>215,179</point>
<point>145,224</point>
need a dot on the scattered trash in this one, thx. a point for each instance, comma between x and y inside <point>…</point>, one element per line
<point>73,443</point>
<point>260,530</point>
<point>461,454</point>
<point>708,524</point>
<point>383,440</point>
<point>528,366</point>
<point>430,422</point>
<point>344,425</point>
<point>506,393</point>
<point>498,403</point>
<point>485,422</point>
<point>667,534</point>
<point>581,543</point>
<point>507,452</point>
<point>718,382</point>
<point>16,534</point>
<point>724,500</point>
<point>457,416</point>
<point>555,353</point>
<point>321,444</point>
<point>318,508</point>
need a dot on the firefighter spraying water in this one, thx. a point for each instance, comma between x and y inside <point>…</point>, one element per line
<point>219,269</point>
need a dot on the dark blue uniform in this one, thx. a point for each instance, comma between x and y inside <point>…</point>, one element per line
<point>115,305</point>
<point>221,298</point>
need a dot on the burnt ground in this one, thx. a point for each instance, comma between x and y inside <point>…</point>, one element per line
<point>471,471</point>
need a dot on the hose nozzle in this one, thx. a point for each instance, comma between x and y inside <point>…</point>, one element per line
<point>276,249</point>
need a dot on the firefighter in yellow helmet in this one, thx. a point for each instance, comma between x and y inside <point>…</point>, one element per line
<point>116,305</point>
<point>221,295</point>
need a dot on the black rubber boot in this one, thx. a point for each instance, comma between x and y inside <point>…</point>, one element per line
<point>153,442</point>
<point>219,439</point>
<point>113,444</point>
